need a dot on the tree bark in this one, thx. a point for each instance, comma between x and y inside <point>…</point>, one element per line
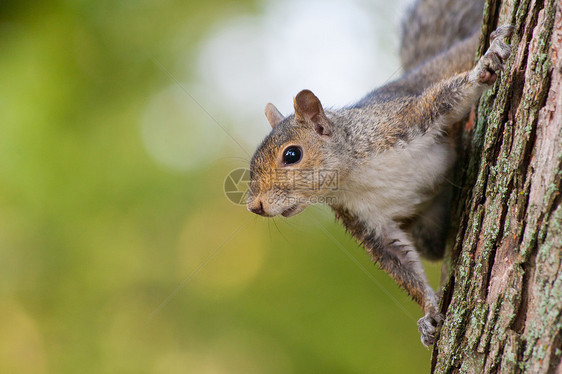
<point>502,298</point>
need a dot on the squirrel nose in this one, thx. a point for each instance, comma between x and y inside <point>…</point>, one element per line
<point>256,207</point>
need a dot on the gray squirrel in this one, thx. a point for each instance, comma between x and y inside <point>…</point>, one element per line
<point>391,151</point>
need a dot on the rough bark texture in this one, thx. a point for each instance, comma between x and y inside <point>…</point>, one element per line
<point>503,297</point>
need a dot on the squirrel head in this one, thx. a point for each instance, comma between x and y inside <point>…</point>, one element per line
<point>296,164</point>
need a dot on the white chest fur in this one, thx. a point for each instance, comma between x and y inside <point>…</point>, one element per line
<point>394,184</point>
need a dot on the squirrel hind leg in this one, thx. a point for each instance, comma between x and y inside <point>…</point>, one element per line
<point>430,228</point>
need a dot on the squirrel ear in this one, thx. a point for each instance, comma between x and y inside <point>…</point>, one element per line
<point>273,115</point>
<point>308,108</point>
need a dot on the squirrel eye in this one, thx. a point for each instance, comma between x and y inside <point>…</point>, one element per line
<point>292,155</point>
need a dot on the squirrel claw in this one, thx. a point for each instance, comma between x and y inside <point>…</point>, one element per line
<point>427,326</point>
<point>504,31</point>
<point>495,57</point>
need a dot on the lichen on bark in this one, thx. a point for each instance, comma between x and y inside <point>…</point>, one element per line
<point>503,296</point>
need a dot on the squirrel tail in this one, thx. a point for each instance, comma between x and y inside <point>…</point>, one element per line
<point>432,26</point>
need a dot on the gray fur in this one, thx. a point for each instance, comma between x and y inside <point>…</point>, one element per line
<point>392,153</point>
<point>430,27</point>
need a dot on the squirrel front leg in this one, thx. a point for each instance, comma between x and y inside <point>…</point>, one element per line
<point>448,101</point>
<point>391,248</point>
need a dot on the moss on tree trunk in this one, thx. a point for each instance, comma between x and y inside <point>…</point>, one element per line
<point>503,296</point>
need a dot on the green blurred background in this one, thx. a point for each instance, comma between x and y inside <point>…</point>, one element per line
<point>119,252</point>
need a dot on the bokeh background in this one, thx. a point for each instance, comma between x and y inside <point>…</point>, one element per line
<point>119,252</point>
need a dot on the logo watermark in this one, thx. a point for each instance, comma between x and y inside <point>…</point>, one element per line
<point>305,179</point>
<point>291,200</point>
<point>237,185</point>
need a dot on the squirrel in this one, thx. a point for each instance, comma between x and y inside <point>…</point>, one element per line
<point>390,152</point>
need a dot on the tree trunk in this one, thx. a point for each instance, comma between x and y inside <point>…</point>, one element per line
<point>503,297</point>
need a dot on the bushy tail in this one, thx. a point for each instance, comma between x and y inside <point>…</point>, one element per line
<point>432,26</point>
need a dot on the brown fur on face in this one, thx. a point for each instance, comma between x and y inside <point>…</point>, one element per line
<point>280,187</point>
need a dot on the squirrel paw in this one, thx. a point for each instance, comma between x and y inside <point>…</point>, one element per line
<point>493,61</point>
<point>427,326</point>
